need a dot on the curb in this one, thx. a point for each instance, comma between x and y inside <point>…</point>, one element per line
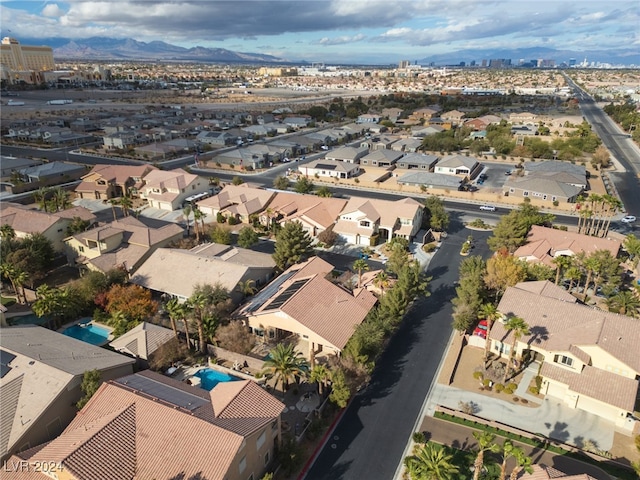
<point>323,441</point>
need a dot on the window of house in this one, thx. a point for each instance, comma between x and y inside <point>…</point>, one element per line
<point>554,198</point>
<point>193,187</point>
<point>267,457</point>
<point>261,439</point>
<point>564,360</point>
<point>81,248</point>
<point>544,197</point>
<point>365,223</point>
<point>92,244</point>
<point>501,347</point>
<point>243,464</point>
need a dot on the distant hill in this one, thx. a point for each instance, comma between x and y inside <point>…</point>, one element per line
<point>104,48</point>
<point>630,56</point>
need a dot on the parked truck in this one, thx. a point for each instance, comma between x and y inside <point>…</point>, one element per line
<point>59,102</point>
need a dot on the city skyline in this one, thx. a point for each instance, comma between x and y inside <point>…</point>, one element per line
<point>356,31</point>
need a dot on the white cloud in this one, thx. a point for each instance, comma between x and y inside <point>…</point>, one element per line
<point>52,10</point>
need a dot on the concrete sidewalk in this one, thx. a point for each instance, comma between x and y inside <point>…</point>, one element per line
<point>461,437</point>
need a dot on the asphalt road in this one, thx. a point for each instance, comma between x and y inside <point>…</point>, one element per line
<point>623,149</point>
<point>369,441</point>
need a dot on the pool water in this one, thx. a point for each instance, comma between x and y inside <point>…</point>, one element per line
<point>90,333</point>
<point>209,378</point>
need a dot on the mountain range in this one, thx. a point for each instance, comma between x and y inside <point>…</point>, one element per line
<point>128,49</point>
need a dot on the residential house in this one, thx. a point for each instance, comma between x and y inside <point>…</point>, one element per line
<point>10,165</point>
<point>524,130</point>
<point>347,154</point>
<point>147,425</point>
<point>381,158</point>
<point>259,131</point>
<point>52,225</point>
<point>111,181</point>
<point>297,123</point>
<point>142,341</point>
<point>566,172</point>
<point>40,383</point>
<point>439,122</point>
<point>52,173</point>
<point>253,157</point>
<point>393,114</point>
<point>423,114</point>
<point>168,189</point>
<point>459,165</point>
<point>417,161</point>
<point>368,118</point>
<point>523,118</point>
<point>454,117</point>
<point>380,142</point>
<point>215,138</point>
<point>316,214</point>
<point>543,186</point>
<point>407,145</point>
<point>126,243</point>
<point>237,201</point>
<point>430,180</point>
<point>587,357</point>
<point>176,272</point>
<point>426,131</point>
<point>329,168</point>
<point>370,221</point>
<point>305,302</point>
<point>120,140</point>
<point>544,244</point>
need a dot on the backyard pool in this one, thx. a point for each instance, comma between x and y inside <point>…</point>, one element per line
<point>209,378</point>
<point>88,332</point>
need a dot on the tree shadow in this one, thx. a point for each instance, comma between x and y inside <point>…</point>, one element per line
<point>538,334</point>
<point>560,432</point>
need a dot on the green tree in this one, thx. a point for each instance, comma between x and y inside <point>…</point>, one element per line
<point>7,233</point>
<point>237,181</point>
<point>206,303</point>
<point>504,270</point>
<point>523,463</point>
<point>437,217</point>
<point>511,231</point>
<point>293,245</point>
<point>340,391</point>
<point>321,375</point>
<point>77,225</point>
<point>285,365</point>
<point>221,235</point>
<point>431,462</point>
<point>91,381</point>
<point>186,212</point>
<point>486,442</point>
<point>247,288</point>
<point>398,257</point>
<point>176,312</point>
<point>562,262</point>
<point>519,328</point>
<point>624,303</point>
<point>508,451</point>
<point>324,191</point>
<point>303,185</point>
<point>631,245</point>
<point>281,183</point>
<point>247,237</point>
<point>382,281</point>
<point>470,292</point>
<point>360,266</point>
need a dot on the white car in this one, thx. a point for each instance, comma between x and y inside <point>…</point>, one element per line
<point>628,219</point>
<point>488,208</point>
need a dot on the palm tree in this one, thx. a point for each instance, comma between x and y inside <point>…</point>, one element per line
<point>490,313</point>
<point>126,203</point>
<point>7,232</point>
<point>114,202</point>
<point>186,211</point>
<point>247,288</point>
<point>285,365</point>
<point>430,462</point>
<point>269,213</point>
<point>562,262</point>
<point>20,278</point>
<point>594,198</point>
<point>197,215</point>
<point>382,281</point>
<point>61,198</point>
<point>519,328</point>
<point>592,264</point>
<point>485,443</point>
<point>574,274</point>
<point>624,303</point>
<point>200,303</point>
<point>176,312</point>
<point>40,196</point>
<point>9,272</point>
<point>508,451</point>
<point>360,266</point>
<point>614,206</point>
<point>632,246</point>
<point>321,375</point>
<point>523,462</point>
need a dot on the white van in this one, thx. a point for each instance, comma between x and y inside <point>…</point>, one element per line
<point>488,208</point>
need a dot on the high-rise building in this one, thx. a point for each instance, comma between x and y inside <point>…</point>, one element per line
<point>404,63</point>
<point>24,63</point>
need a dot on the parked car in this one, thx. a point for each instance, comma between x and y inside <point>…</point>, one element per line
<point>481,329</point>
<point>508,172</point>
<point>628,219</point>
<point>488,208</point>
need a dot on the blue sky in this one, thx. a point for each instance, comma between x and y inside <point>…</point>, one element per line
<point>334,31</point>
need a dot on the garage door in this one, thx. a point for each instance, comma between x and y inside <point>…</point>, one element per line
<point>591,405</point>
<point>557,390</point>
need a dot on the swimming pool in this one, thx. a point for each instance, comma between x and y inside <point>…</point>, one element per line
<point>88,332</point>
<point>209,378</point>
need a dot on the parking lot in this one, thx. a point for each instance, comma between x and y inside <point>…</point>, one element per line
<point>494,175</point>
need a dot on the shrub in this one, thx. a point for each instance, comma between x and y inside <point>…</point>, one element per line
<point>429,247</point>
<point>516,399</point>
<point>328,237</point>
<point>510,388</point>
<point>534,390</point>
<point>478,375</point>
<point>419,437</point>
<point>233,220</point>
<point>487,383</point>
<point>556,203</point>
<point>499,387</point>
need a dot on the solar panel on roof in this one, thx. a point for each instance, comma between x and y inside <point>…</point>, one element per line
<point>267,292</point>
<point>162,391</point>
<point>325,166</point>
<point>287,293</point>
<point>5,359</point>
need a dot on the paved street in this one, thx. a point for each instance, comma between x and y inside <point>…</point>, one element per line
<point>381,418</point>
